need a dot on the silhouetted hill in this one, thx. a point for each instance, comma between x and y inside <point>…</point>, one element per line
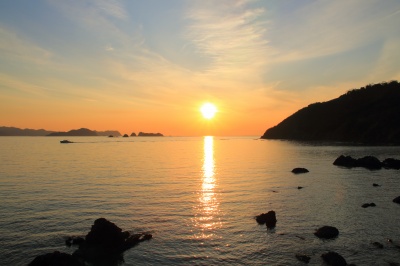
<point>75,132</point>
<point>108,133</point>
<point>13,131</point>
<point>370,115</point>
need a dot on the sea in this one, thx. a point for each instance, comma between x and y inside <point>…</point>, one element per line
<point>198,197</point>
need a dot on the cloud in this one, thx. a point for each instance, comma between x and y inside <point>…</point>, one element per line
<point>15,47</point>
<point>324,28</point>
<point>231,34</point>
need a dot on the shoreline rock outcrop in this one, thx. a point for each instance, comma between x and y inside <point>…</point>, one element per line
<point>105,242</point>
<point>369,162</point>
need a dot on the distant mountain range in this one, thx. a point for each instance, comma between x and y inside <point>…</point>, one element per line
<point>369,115</point>
<point>13,131</point>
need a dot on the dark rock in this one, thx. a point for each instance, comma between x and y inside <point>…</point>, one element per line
<point>366,205</point>
<point>303,258</point>
<point>397,200</point>
<point>346,161</point>
<point>369,162</point>
<point>377,244</point>
<point>125,136</point>
<point>110,136</point>
<point>375,185</point>
<point>106,240</point>
<point>299,187</point>
<point>56,259</point>
<point>327,232</point>
<point>66,141</point>
<point>391,163</point>
<point>268,218</point>
<point>133,134</point>
<point>333,259</point>
<point>299,170</point>
<point>73,240</point>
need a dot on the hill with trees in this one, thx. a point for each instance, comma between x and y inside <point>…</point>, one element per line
<point>368,115</point>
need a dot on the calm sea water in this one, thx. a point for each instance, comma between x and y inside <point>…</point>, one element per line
<point>198,197</point>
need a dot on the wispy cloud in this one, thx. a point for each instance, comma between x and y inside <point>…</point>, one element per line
<point>231,33</point>
<point>16,47</point>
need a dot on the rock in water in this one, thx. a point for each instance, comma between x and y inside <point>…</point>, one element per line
<point>56,258</point>
<point>268,218</point>
<point>391,163</point>
<point>333,259</point>
<point>303,258</point>
<point>327,232</point>
<point>397,200</point>
<point>106,240</point>
<point>299,170</point>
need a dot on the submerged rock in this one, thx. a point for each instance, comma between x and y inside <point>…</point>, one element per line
<point>377,244</point>
<point>56,258</point>
<point>268,218</point>
<point>299,170</point>
<point>376,185</point>
<point>327,232</point>
<point>333,259</point>
<point>366,205</point>
<point>303,258</point>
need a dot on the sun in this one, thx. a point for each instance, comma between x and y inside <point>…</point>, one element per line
<point>208,110</point>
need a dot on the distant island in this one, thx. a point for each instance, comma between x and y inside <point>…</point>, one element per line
<point>13,131</point>
<point>143,134</point>
<point>84,132</point>
<point>368,115</point>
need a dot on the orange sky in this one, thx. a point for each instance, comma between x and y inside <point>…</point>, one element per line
<point>149,65</point>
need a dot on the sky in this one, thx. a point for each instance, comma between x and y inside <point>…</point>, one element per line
<point>148,66</point>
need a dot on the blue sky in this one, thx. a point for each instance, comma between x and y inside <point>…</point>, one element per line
<point>149,65</point>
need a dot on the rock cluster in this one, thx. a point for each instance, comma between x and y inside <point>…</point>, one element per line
<point>105,242</point>
<point>369,162</point>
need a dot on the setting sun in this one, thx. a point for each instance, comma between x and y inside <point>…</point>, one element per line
<point>208,110</point>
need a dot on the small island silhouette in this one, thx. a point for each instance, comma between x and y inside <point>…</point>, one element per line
<point>82,132</point>
<point>369,115</point>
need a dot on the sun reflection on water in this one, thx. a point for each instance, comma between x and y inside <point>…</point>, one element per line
<point>206,217</point>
